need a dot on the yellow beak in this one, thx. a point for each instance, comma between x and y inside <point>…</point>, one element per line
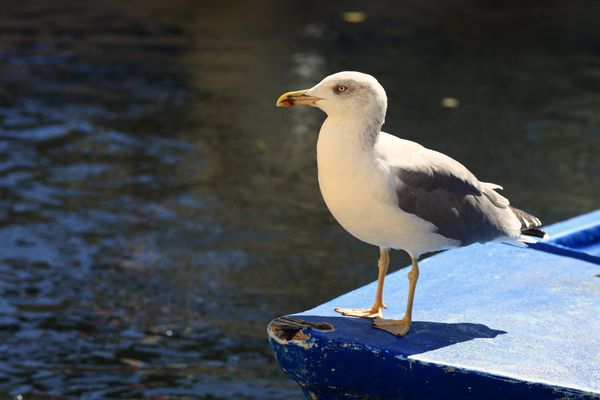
<point>297,98</point>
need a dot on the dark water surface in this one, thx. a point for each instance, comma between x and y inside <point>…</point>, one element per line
<point>156,210</point>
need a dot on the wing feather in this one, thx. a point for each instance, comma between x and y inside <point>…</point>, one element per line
<point>442,191</point>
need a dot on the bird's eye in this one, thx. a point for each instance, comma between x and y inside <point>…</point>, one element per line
<point>341,88</point>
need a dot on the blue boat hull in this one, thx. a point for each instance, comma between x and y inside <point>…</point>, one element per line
<point>491,322</point>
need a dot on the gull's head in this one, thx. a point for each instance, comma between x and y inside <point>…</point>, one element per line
<point>346,94</point>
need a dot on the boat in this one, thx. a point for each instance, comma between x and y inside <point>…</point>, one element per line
<point>491,321</point>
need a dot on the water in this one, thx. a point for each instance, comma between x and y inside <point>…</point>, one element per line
<point>156,210</point>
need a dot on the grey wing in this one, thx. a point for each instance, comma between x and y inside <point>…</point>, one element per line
<point>442,191</point>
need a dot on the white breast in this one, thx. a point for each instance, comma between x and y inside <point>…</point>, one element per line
<point>360,191</point>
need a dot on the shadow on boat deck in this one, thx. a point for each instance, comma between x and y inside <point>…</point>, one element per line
<point>424,336</point>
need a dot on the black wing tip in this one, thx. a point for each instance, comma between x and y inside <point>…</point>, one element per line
<point>527,220</point>
<point>534,232</point>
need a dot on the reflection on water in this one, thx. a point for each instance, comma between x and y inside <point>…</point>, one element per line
<point>157,210</point>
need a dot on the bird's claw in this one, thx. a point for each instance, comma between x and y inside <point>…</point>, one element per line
<point>398,327</point>
<point>372,312</point>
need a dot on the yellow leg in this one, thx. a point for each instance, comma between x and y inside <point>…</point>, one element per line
<point>400,327</point>
<point>377,309</point>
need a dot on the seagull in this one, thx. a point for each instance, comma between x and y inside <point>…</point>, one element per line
<point>396,194</point>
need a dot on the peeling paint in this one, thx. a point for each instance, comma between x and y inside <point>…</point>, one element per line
<point>305,344</point>
<point>352,346</point>
<point>299,339</point>
<point>301,336</point>
<point>287,330</point>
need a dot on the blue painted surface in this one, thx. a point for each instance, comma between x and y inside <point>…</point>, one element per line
<point>493,321</point>
<point>579,241</point>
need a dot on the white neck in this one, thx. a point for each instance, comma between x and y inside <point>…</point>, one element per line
<point>350,132</point>
<point>345,145</point>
